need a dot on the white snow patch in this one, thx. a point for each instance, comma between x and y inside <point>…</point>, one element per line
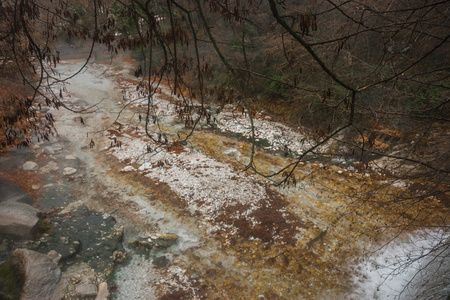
<point>399,269</point>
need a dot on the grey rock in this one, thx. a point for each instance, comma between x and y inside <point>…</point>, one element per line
<point>69,171</point>
<point>55,256</point>
<point>18,219</point>
<point>10,192</point>
<point>49,167</point>
<point>86,291</point>
<point>42,277</point>
<point>57,147</point>
<point>103,292</point>
<point>49,150</point>
<point>161,261</point>
<point>30,166</point>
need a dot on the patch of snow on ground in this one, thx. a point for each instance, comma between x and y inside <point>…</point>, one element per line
<point>277,134</point>
<point>397,271</point>
<point>208,186</point>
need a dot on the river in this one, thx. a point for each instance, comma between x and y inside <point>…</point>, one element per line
<point>239,236</point>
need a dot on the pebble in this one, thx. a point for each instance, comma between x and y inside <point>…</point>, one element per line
<point>30,166</point>
<point>86,290</point>
<point>49,150</point>
<point>69,171</point>
<point>57,147</point>
<point>71,157</point>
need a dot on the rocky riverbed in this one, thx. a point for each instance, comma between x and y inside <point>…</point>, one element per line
<point>184,222</point>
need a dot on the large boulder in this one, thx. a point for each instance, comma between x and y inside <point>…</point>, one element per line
<point>18,219</point>
<point>42,278</point>
<point>10,192</point>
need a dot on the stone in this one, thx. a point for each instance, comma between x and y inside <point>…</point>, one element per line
<point>41,276</point>
<point>161,261</point>
<point>49,150</point>
<point>231,152</point>
<point>71,157</point>
<point>163,240</point>
<point>49,167</point>
<point>141,244</point>
<point>57,147</point>
<point>35,186</point>
<point>30,166</point>
<point>55,256</point>
<point>18,219</point>
<point>86,291</point>
<point>128,169</point>
<point>119,256</point>
<point>103,292</point>
<point>10,192</point>
<point>69,171</point>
